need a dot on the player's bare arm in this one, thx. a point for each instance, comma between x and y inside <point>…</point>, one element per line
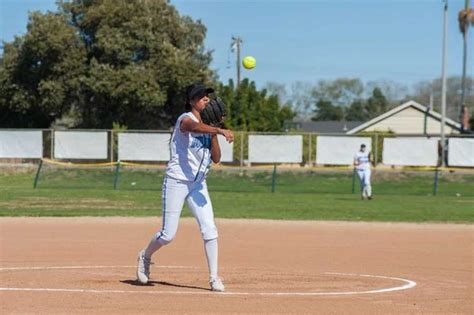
<point>189,125</point>
<point>356,162</point>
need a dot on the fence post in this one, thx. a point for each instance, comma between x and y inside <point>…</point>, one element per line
<point>309,150</point>
<point>111,146</point>
<point>37,174</point>
<point>52,144</point>
<point>117,173</point>
<point>376,149</point>
<point>316,149</point>
<point>241,153</point>
<point>249,164</point>
<point>274,177</point>
<point>353,180</point>
<point>435,184</point>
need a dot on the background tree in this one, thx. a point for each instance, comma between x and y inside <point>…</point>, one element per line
<point>356,112</point>
<point>325,110</point>
<point>376,104</point>
<point>393,91</point>
<point>253,110</point>
<point>302,99</point>
<point>107,61</point>
<point>41,73</point>
<point>340,92</point>
<point>277,89</point>
<point>422,90</point>
<point>465,18</point>
<point>140,58</point>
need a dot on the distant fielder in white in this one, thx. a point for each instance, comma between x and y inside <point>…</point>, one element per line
<point>362,164</point>
<point>194,146</point>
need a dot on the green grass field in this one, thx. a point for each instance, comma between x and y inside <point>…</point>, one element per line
<point>399,197</point>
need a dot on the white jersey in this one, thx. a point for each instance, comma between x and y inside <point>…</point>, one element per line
<point>190,153</point>
<point>363,160</point>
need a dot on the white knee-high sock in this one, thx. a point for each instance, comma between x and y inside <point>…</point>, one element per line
<point>369,190</point>
<point>210,247</point>
<point>154,245</point>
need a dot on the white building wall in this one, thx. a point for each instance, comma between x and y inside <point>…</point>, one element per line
<point>409,121</point>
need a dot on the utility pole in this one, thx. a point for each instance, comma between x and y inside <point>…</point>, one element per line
<point>236,42</point>
<point>464,65</point>
<point>443,79</point>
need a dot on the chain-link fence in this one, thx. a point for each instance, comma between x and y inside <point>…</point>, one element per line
<point>240,149</point>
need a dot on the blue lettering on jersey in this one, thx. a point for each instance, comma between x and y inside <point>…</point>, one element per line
<point>201,142</point>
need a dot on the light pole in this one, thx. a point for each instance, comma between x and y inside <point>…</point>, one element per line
<point>236,42</point>
<point>443,80</point>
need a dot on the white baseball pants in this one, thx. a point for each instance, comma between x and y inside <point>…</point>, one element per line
<point>175,193</point>
<point>364,178</point>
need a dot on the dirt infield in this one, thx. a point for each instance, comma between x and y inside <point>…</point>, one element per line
<point>86,265</point>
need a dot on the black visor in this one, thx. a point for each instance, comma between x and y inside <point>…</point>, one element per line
<point>197,90</point>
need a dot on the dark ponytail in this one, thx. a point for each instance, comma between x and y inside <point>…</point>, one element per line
<point>187,107</point>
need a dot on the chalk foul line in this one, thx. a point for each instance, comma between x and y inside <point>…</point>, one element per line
<point>408,284</point>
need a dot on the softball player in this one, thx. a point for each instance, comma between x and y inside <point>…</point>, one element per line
<point>194,147</point>
<point>362,165</point>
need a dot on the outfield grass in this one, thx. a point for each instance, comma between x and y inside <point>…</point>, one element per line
<point>399,197</point>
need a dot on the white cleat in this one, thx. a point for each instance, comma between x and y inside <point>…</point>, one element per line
<point>216,285</point>
<point>143,268</point>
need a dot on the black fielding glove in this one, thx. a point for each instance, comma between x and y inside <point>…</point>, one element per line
<point>213,114</point>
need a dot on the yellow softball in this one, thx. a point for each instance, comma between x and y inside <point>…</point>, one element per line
<point>249,62</point>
